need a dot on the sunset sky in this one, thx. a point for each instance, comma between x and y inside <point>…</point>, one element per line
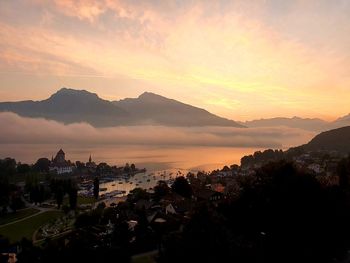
<point>238,59</point>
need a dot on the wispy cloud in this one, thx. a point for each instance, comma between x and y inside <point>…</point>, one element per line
<point>290,56</point>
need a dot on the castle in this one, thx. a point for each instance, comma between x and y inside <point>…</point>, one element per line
<point>59,164</point>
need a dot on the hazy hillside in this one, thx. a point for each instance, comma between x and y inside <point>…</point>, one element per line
<point>70,106</point>
<point>342,121</point>
<point>333,140</point>
<point>151,108</point>
<point>308,124</point>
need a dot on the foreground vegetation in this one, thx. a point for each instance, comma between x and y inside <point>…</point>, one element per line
<point>8,218</point>
<point>279,213</point>
<point>26,228</point>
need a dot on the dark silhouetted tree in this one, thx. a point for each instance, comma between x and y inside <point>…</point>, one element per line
<point>23,168</point>
<point>343,171</point>
<point>96,187</point>
<point>160,190</point>
<point>42,165</point>
<point>182,187</point>
<point>59,196</point>
<point>73,198</point>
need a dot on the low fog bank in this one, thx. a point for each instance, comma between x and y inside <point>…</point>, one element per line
<point>19,130</point>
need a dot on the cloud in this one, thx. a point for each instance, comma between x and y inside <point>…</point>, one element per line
<point>19,130</point>
<point>291,56</point>
<point>83,9</point>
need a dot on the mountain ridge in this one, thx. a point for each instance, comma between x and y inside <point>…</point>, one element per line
<point>337,140</point>
<point>309,124</point>
<point>70,105</point>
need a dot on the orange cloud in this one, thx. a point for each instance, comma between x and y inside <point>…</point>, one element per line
<point>197,47</point>
<point>83,9</point>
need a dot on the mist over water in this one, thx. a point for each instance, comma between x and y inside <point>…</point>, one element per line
<point>153,158</point>
<point>154,147</point>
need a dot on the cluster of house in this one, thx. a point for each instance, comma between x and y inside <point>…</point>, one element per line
<point>319,163</point>
<point>172,208</point>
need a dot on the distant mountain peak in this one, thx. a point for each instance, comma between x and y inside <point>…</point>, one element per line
<point>69,106</point>
<point>343,118</point>
<point>148,93</point>
<point>67,92</point>
<point>151,95</point>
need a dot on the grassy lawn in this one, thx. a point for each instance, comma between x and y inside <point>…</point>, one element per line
<point>18,215</point>
<point>144,259</point>
<point>26,228</point>
<point>148,257</point>
<point>81,200</point>
<point>86,200</point>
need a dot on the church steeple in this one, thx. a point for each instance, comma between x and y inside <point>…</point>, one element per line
<point>90,159</point>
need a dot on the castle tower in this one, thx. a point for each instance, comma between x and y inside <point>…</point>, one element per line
<point>60,157</point>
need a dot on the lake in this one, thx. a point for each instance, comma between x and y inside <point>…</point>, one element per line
<point>157,158</point>
<point>161,162</point>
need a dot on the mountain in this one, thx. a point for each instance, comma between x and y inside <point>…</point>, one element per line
<point>342,121</point>
<point>71,106</point>
<point>332,140</point>
<point>150,108</point>
<point>295,122</point>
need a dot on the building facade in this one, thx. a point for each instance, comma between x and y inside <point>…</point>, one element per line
<point>59,164</point>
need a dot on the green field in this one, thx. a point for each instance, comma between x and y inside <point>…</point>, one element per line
<point>27,227</point>
<point>81,200</point>
<point>144,259</point>
<point>18,215</point>
<point>148,257</point>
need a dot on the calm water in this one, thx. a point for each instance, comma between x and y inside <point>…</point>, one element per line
<point>161,162</point>
<point>151,158</point>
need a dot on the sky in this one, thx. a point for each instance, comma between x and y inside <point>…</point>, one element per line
<point>242,60</point>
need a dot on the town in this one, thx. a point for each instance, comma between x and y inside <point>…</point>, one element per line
<point>62,205</point>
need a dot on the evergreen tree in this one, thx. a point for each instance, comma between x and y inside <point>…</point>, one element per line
<point>73,198</point>
<point>59,196</point>
<point>96,187</point>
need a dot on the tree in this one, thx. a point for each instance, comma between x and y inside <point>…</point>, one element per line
<point>121,235</point>
<point>137,194</point>
<point>34,194</point>
<point>73,198</point>
<point>343,171</point>
<point>8,166</point>
<point>127,168</point>
<point>80,165</point>
<point>96,187</point>
<point>23,168</point>
<point>226,169</point>
<point>182,187</point>
<point>65,209</point>
<point>284,215</point>
<point>42,165</point>
<point>16,203</point>
<point>59,196</point>
<point>161,189</point>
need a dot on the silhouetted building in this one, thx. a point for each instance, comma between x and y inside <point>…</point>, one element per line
<point>90,164</point>
<point>59,164</point>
